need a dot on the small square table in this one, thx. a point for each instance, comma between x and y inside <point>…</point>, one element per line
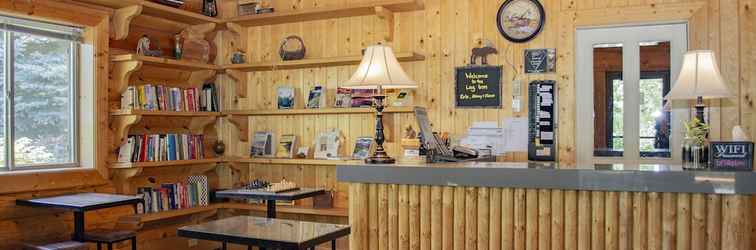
<point>270,197</point>
<point>267,232</point>
<point>80,203</point>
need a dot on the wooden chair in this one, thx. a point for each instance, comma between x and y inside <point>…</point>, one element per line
<point>110,237</point>
<point>65,245</point>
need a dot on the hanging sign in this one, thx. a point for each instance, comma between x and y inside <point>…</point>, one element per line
<point>478,86</point>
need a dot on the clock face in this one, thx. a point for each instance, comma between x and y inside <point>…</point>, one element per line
<point>520,20</point>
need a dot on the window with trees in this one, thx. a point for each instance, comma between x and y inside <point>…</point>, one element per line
<point>39,105</point>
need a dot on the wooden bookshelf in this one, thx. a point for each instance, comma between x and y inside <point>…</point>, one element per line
<point>287,161</point>
<point>152,164</point>
<point>352,9</point>
<point>321,111</point>
<point>334,212</point>
<point>315,62</point>
<point>124,112</point>
<point>163,62</point>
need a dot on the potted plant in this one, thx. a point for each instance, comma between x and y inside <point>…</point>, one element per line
<point>694,148</point>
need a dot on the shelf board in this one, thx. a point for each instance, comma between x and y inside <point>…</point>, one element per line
<point>174,14</point>
<point>360,9</point>
<point>316,62</point>
<point>163,62</point>
<point>321,111</point>
<point>285,161</point>
<point>169,214</point>
<point>123,112</point>
<point>152,164</point>
<point>158,10</point>
<point>335,212</point>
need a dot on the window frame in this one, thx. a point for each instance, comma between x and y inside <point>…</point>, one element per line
<point>9,92</point>
<point>630,37</point>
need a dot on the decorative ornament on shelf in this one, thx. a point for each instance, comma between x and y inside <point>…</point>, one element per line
<point>292,48</point>
<point>210,8</point>
<point>195,47</point>
<point>380,70</point>
<point>177,47</point>
<point>482,53</point>
<point>238,57</point>
<point>144,47</point>
<point>219,147</point>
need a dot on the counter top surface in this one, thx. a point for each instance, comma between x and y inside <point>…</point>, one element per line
<point>593,177</point>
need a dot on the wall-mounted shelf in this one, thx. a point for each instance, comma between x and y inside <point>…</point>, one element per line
<point>315,62</point>
<point>122,112</point>
<point>163,62</point>
<point>321,111</point>
<point>153,164</point>
<point>284,161</point>
<point>361,9</point>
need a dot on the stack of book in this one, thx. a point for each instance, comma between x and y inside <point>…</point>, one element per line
<point>161,98</point>
<point>162,147</point>
<point>170,196</point>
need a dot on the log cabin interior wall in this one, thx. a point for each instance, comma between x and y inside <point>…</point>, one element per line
<point>444,32</point>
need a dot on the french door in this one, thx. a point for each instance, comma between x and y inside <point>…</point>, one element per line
<point>623,74</point>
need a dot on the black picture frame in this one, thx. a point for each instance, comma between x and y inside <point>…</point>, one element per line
<point>531,36</point>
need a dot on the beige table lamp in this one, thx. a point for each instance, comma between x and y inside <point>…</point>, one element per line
<point>699,79</point>
<point>379,70</point>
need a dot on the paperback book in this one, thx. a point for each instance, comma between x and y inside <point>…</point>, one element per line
<point>343,98</point>
<point>315,98</point>
<point>286,146</point>
<point>327,145</point>
<point>362,97</point>
<point>362,148</point>
<point>285,97</point>
<point>262,144</point>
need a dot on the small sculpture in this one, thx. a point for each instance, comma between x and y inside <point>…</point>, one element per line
<point>177,47</point>
<point>210,8</point>
<point>410,133</point>
<point>482,53</point>
<point>238,57</point>
<point>143,47</point>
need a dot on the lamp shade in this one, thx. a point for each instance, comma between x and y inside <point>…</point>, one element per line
<point>699,77</point>
<point>379,67</point>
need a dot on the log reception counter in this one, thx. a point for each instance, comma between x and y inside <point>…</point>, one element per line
<point>542,206</point>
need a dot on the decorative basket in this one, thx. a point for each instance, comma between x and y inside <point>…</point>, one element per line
<point>292,48</point>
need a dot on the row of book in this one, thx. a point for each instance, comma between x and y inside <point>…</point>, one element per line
<point>161,98</point>
<point>344,98</point>
<point>170,196</point>
<point>162,147</point>
<point>326,146</point>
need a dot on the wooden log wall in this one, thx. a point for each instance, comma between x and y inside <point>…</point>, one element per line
<point>389,216</point>
<point>445,32</point>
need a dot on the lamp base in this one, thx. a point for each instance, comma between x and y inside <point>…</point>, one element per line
<point>380,160</point>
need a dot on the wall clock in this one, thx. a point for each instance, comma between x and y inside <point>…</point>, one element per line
<point>520,20</point>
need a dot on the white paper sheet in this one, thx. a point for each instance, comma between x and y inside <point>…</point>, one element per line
<point>516,134</point>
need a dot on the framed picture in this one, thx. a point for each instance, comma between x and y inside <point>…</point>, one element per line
<point>540,61</point>
<point>520,21</point>
<point>731,155</point>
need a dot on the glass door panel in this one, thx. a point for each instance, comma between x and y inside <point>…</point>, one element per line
<point>608,100</point>
<point>654,126</point>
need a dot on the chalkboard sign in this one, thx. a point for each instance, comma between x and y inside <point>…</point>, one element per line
<point>478,86</point>
<point>542,121</point>
<point>731,156</point>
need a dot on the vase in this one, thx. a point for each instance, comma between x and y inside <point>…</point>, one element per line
<point>694,154</point>
<point>219,147</point>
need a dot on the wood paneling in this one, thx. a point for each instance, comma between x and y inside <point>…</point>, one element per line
<point>606,220</point>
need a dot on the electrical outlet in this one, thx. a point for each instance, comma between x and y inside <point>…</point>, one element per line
<point>193,242</point>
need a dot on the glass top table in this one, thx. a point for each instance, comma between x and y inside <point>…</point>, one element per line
<point>266,232</point>
<point>80,203</point>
